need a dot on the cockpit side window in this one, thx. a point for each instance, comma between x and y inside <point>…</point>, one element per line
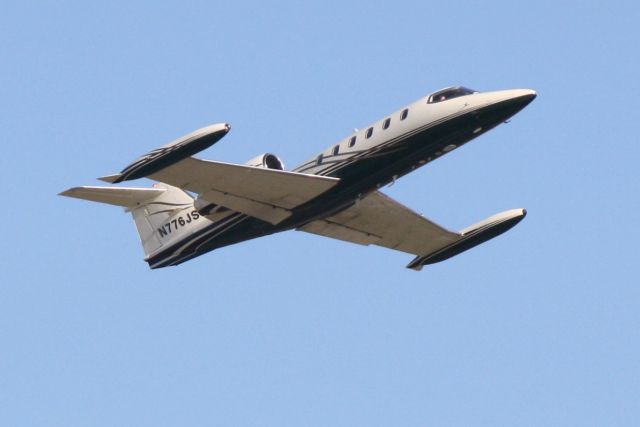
<point>449,93</point>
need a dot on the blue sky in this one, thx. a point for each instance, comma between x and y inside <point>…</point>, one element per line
<point>538,327</point>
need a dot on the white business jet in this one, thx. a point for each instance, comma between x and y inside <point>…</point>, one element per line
<point>200,205</point>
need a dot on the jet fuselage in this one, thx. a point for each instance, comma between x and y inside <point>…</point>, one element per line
<point>368,159</point>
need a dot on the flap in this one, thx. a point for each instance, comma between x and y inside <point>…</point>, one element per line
<point>334,230</point>
<point>264,211</point>
<point>377,219</point>
<point>268,194</point>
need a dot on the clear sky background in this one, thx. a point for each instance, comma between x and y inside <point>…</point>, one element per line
<point>538,327</point>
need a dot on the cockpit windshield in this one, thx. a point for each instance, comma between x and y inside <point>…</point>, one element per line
<point>450,93</point>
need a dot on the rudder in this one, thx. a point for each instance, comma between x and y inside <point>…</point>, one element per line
<point>155,219</point>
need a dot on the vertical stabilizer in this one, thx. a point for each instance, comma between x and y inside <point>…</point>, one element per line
<point>161,220</point>
<point>162,214</point>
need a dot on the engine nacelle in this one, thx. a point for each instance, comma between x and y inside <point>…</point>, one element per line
<point>266,161</point>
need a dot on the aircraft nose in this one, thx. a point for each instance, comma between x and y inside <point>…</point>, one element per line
<point>522,97</point>
<point>504,105</point>
<point>512,101</point>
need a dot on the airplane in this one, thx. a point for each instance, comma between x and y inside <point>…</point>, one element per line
<point>200,205</point>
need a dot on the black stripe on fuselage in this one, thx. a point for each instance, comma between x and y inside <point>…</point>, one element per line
<point>190,243</point>
<point>374,150</point>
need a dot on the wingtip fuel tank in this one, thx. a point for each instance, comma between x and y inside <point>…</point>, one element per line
<point>472,236</point>
<point>171,153</point>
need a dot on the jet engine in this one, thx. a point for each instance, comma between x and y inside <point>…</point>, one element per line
<point>266,161</point>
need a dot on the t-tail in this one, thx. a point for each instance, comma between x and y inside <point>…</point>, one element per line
<point>164,215</point>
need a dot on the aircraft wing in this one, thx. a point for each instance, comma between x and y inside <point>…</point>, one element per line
<point>268,194</point>
<point>379,220</point>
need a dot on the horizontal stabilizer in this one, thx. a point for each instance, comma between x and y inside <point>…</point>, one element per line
<point>125,197</point>
<point>472,236</point>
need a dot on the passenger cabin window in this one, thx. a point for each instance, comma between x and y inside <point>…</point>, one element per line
<point>369,132</point>
<point>336,150</point>
<point>352,141</point>
<point>319,159</point>
<point>404,114</point>
<point>386,123</point>
<point>450,93</point>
